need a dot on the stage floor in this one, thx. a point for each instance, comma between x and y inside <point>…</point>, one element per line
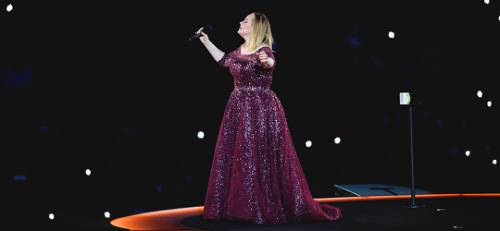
<point>439,212</point>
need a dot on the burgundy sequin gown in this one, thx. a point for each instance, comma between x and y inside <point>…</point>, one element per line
<point>256,176</point>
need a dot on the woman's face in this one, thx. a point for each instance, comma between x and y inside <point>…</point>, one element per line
<point>246,26</point>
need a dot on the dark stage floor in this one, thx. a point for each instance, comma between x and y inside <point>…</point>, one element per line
<point>462,213</point>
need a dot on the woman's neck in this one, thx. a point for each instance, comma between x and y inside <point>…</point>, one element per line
<point>247,41</point>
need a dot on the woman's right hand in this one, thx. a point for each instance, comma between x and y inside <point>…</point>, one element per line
<point>214,51</point>
<point>204,37</point>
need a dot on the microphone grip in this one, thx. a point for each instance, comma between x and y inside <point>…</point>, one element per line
<point>205,30</point>
<point>195,36</point>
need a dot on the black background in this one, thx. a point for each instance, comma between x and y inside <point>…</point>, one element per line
<point>123,92</point>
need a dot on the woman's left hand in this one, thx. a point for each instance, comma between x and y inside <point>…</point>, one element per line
<point>263,58</point>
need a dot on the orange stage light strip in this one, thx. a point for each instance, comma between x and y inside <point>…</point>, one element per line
<point>481,194</point>
<point>396,197</point>
<point>159,220</point>
<point>371,198</point>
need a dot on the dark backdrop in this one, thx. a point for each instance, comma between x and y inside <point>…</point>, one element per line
<point>117,88</point>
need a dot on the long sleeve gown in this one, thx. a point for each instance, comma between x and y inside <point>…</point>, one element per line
<point>256,176</point>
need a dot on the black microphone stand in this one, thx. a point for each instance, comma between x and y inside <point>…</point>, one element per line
<point>418,101</point>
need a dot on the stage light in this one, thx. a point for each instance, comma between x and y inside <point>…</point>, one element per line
<point>309,143</point>
<point>87,172</point>
<point>51,216</point>
<point>467,153</point>
<point>201,135</point>
<point>494,162</point>
<point>489,103</point>
<point>391,34</point>
<point>9,8</point>
<point>337,140</point>
<point>479,94</point>
<point>106,214</point>
<point>487,1</point>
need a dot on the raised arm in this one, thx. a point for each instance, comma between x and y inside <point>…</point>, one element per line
<point>214,51</point>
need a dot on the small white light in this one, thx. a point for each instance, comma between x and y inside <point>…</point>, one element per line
<point>201,135</point>
<point>391,34</point>
<point>467,153</point>
<point>337,140</point>
<point>479,94</point>
<point>494,162</point>
<point>498,18</point>
<point>87,172</point>
<point>489,103</point>
<point>51,216</point>
<point>309,143</point>
<point>106,214</point>
<point>9,8</point>
<point>487,1</point>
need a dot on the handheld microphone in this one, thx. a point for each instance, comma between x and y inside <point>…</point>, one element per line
<point>205,30</point>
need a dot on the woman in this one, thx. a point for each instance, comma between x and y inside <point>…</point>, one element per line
<point>256,176</point>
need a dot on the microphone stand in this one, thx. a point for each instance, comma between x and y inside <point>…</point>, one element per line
<point>413,205</point>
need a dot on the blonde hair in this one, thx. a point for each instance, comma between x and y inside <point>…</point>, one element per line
<point>261,32</point>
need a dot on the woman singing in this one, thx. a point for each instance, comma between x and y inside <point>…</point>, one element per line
<point>256,176</point>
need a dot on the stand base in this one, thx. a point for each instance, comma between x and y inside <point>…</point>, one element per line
<point>414,206</point>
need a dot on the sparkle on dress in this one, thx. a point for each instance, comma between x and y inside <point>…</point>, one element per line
<point>256,176</point>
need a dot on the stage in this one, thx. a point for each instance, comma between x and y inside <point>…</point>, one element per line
<point>438,212</point>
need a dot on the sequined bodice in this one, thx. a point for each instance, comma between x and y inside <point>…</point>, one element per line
<point>247,70</point>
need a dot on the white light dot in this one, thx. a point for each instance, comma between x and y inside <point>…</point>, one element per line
<point>309,143</point>
<point>494,162</point>
<point>467,153</point>
<point>489,103</point>
<point>479,94</point>
<point>87,172</point>
<point>487,1</point>
<point>391,34</point>
<point>51,216</point>
<point>201,135</point>
<point>9,8</point>
<point>106,214</point>
<point>337,140</point>
<point>498,18</point>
